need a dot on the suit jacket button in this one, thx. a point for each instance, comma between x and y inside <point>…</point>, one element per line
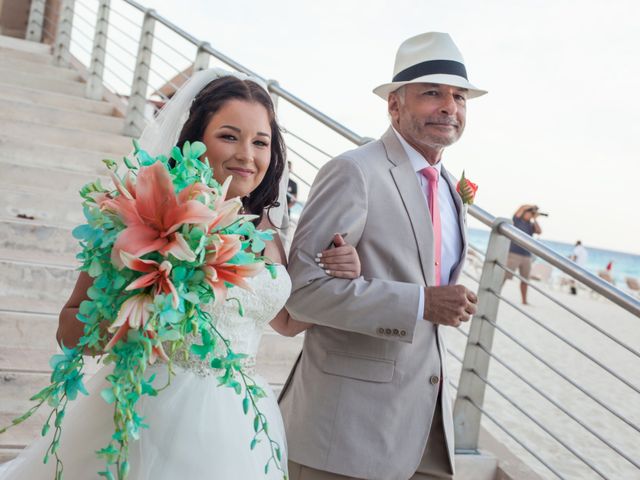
<point>434,380</point>
<point>403,333</point>
<point>396,331</point>
<point>388,331</point>
<point>381,331</point>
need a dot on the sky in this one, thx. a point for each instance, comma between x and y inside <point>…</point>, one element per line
<point>560,126</point>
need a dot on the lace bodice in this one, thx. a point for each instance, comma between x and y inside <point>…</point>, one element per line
<point>261,304</point>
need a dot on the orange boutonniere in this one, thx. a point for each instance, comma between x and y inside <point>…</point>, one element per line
<point>467,190</point>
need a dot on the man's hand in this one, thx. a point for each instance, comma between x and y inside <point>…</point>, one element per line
<point>449,305</point>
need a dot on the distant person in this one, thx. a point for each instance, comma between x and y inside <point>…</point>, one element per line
<point>292,190</point>
<point>524,219</point>
<point>607,273</point>
<point>580,255</point>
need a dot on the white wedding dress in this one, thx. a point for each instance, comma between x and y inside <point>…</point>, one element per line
<point>197,430</point>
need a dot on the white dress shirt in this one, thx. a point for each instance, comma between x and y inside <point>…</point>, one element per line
<point>450,229</point>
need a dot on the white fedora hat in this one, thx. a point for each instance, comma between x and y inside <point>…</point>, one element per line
<point>429,58</point>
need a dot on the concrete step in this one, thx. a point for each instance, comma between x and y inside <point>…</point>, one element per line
<point>45,180</point>
<point>15,390</point>
<point>8,453</point>
<point>34,288</point>
<point>21,45</point>
<point>52,209</point>
<point>48,84</point>
<point>14,149</point>
<point>39,58</point>
<point>27,330</point>
<point>26,240</point>
<point>16,110</point>
<point>59,100</point>
<point>10,62</point>
<point>116,145</point>
<point>27,341</point>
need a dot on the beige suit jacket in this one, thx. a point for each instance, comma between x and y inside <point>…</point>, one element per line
<point>359,401</point>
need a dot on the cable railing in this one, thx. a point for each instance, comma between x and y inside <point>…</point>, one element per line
<point>158,67</point>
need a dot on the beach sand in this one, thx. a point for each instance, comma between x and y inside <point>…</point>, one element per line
<point>612,392</point>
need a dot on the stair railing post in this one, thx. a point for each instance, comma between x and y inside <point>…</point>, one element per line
<point>202,58</point>
<point>63,36</point>
<point>36,21</point>
<point>135,120</point>
<point>466,417</point>
<point>99,51</point>
<point>274,96</point>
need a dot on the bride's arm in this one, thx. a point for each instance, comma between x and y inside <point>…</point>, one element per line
<point>283,323</point>
<point>70,329</point>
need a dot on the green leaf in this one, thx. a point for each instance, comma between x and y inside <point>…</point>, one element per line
<point>108,395</point>
<point>245,405</point>
<point>254,442</point>
<point>95,268</point>
<point>82,232</point>
<point>256,423</point>
<point>197,149</point>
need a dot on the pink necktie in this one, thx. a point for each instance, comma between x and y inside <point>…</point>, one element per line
<point>431,174</point>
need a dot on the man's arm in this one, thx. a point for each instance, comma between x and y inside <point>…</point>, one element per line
<point>338,203</point>
<point>520,212</point>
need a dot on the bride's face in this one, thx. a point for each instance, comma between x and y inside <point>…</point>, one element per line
<point>238,141</point>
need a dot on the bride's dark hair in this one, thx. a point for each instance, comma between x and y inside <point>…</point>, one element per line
<point>211,99</point>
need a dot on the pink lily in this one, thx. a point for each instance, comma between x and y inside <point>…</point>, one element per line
<point>218,271</point>
<point>226,210</point>
<point>134,315</point>
<point>152,212</point>
<point>157,274</point>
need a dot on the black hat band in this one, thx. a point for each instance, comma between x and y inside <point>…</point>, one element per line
<point>431,67</point>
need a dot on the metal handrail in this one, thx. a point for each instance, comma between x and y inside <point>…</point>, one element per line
<point>306,142</point>
<point>559,406</point>
<point>562,375</point>
<point>305,159</point>
<point>571,311</point>
<point>505,429</point>
<point>538,423</point>
<point>505,228</point>
<point>273,86</point>
<point>567,342</point>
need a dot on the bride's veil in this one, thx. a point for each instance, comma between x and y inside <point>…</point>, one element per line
<point>162,133</point>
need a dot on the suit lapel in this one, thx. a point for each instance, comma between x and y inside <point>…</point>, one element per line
<point>462,220</point>
<point>415,205</point>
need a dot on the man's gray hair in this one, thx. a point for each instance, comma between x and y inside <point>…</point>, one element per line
<point>400,92</point>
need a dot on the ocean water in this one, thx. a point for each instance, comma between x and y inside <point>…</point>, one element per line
<point>624,264</point>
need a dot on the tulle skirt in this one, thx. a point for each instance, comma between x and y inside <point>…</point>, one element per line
<point>197,430</point>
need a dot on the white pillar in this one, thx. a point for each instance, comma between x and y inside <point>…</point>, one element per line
<point>135,120</point>
<point>96,69</point>
<point>36,21</point>
<point>63,36</point>
<point>466,417</point>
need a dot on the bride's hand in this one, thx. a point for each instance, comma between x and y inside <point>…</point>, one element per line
<point>341,261</point>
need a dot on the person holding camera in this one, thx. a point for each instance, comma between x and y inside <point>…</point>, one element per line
<point>524,219</point>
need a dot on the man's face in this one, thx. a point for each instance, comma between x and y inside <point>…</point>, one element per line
<point>430,116</point>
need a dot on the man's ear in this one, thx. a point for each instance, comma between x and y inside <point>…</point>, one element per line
<point>393,106</point>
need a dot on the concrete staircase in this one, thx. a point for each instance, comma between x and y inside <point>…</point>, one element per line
<point>52,141</point>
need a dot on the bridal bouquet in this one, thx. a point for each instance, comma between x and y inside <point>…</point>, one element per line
<point>165,242</point>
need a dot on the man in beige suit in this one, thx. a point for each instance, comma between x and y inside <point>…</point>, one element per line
<point>368,397</point>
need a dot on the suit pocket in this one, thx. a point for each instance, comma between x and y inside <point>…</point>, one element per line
<point>359,367</point>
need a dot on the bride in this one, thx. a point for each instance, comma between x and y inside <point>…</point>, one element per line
<point>198,430</point>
